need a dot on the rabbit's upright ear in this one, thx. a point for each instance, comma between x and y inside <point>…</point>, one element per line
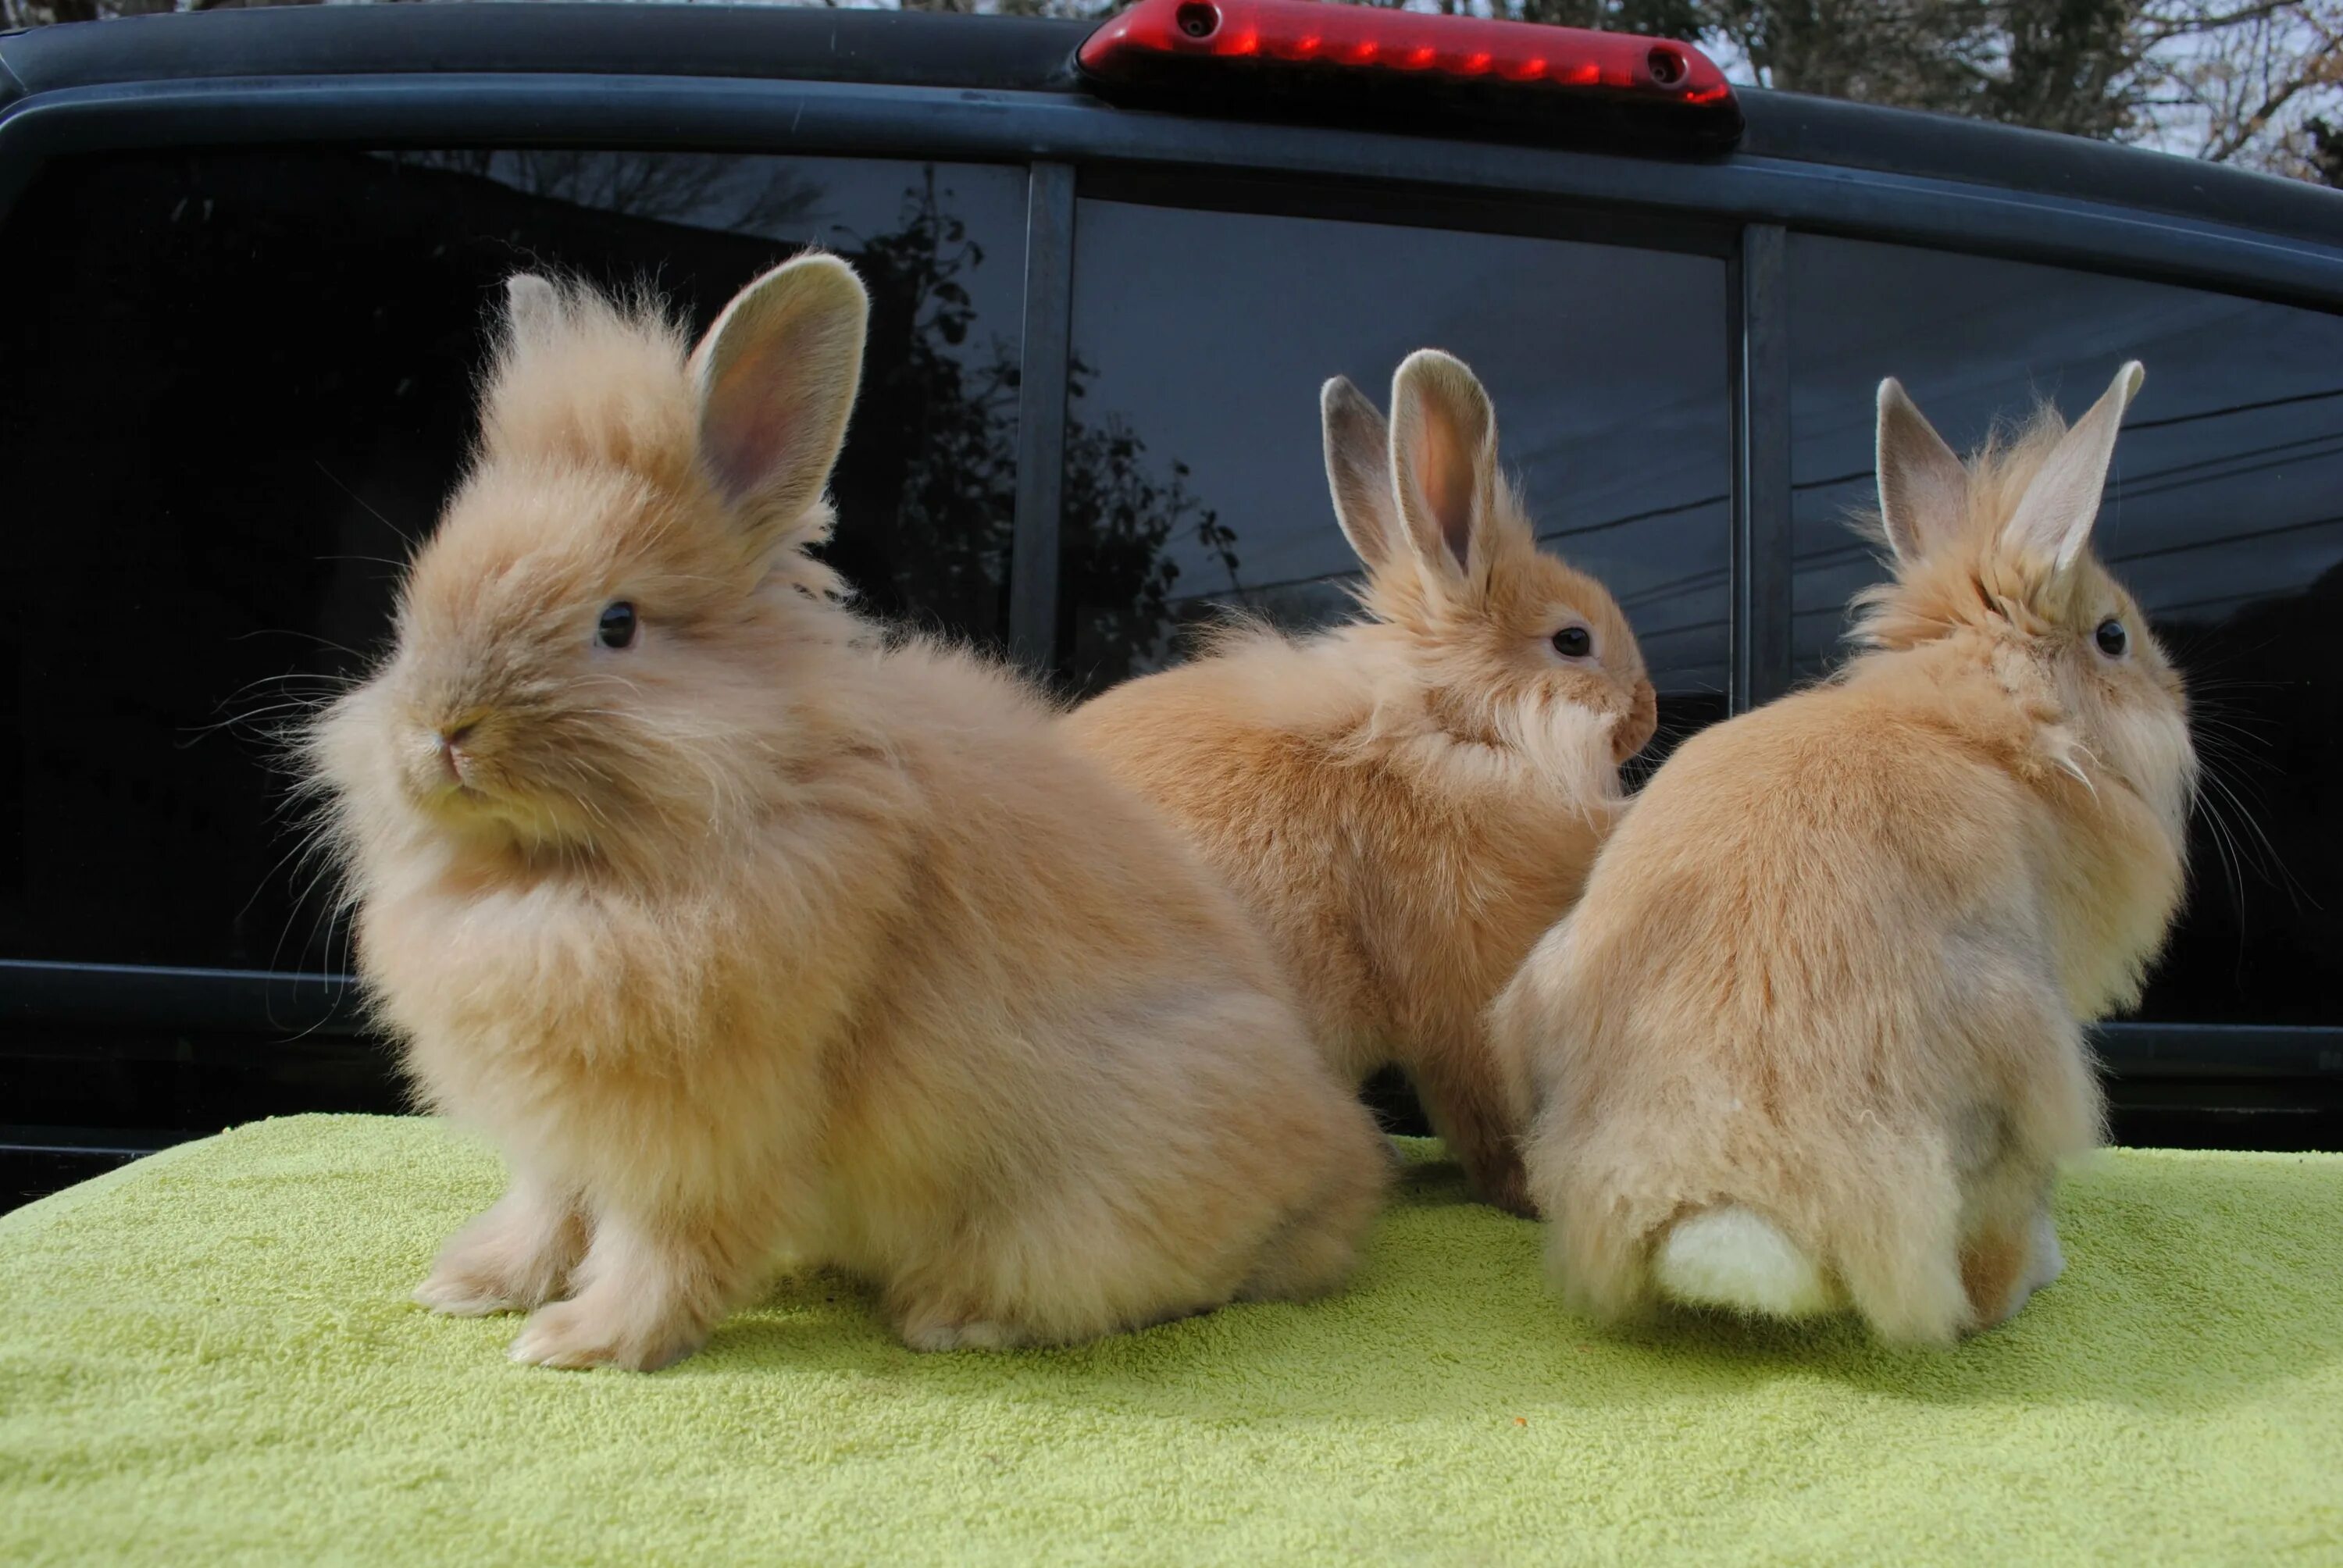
<point>777,376</point>
<point>1443,465</point>
<point>1924,492</point>
<point>2054,517</point>
<point>1358,470</point>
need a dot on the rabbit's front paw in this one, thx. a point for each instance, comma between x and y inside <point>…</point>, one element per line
<point>464,1293</point>
<point>937,1327</point>
<point>583,1334</point>
<point>516,1257</point>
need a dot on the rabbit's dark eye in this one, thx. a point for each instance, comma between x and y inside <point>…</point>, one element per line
<point>1573,642</point>
<point>617,627</point>
<point>2112,638</point>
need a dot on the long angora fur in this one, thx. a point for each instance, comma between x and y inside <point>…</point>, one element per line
<point>1813,1038</point>
<point>1408,801</point>
<point>753,938</point>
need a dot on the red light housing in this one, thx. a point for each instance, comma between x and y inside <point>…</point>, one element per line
<point>1252,55</point>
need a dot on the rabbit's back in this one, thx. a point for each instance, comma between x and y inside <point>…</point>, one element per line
<point>1064,861</point>
<point>1240,755</point>
<point>1801,891</point>
<point>1075,1020</point>
<point>1315,780</point>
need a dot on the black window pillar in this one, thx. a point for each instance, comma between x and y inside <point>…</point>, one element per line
<point>1041,415</point>
<point>1761,437</point>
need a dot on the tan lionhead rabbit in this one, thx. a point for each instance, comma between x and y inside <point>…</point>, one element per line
<point>753,938</point>
<point>1407,801</point>
<point>1813,1038</point>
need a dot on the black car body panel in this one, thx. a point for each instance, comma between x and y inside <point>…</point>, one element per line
<point>98,1055</point>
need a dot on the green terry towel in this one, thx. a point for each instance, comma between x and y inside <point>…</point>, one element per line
<point>208,1357</point>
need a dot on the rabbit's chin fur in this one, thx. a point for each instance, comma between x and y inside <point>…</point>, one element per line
<point>760,941</point>
<point>1409,800</point>
<point>1813,1036</point>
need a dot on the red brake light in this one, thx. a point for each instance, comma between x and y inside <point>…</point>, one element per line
<point>1522,72</point>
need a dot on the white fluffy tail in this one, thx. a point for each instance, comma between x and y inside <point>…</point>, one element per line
<point>1732,1258</point>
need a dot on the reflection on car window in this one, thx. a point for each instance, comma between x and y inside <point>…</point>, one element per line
<point>249,382</point>
<point>1194,476</point>
<point>2223,515</point>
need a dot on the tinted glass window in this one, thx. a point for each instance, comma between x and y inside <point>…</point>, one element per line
<point>233,385</point>
<point>2223,515</point>
<point>1195,474</point>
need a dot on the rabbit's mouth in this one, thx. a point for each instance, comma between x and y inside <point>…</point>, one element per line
<point>454,799</point>
<point>468,815</point>
<point>480,799</point>
<point>1637,725</point>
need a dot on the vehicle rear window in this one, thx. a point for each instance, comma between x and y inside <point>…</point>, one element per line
<point>2223,515</point>
<point>1196,478</point>
<point>234,385</point>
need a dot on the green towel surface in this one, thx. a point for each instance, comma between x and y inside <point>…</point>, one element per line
<point>209,1357</point>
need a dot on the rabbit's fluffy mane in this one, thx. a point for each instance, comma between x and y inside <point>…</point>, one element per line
<point>1517,578</point>
<point>596,381</point>
<point>1412,679</point>
<point>1976,578</point>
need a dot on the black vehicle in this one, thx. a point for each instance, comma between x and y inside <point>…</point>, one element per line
<point>245,259</point>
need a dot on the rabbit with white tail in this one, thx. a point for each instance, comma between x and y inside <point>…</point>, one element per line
<point>1408,801</point>
<point>753,938</point>
<point>1813,1038</point>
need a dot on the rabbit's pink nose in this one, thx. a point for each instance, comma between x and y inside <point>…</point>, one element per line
<point>451,751</point>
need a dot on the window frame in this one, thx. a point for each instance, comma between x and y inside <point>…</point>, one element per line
<point>1070,145</point>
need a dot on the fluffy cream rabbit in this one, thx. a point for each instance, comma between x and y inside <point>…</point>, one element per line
<point>1408,801</point>
<point>1813,1039</point>
<point>753,938</point>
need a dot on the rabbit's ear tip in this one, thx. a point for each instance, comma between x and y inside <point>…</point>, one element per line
<point>812,277</point>
<point>833,264</point>
<point>532,299</point>
<point>1438,374</point>
<point>2131,377</point>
